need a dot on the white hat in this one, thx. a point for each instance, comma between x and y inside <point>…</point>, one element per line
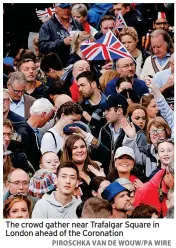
<point>124,150</point>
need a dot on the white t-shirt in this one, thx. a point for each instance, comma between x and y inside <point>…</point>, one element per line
<point>48,142</point>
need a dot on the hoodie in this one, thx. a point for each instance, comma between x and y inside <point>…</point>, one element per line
<point>48,207</point>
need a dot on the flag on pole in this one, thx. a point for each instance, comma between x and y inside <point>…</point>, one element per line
<point>45,14</point>
<point>120,22</point>
<point>108,47</point>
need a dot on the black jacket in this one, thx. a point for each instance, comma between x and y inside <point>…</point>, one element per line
<point>51,38</point>
<point>29,143</point>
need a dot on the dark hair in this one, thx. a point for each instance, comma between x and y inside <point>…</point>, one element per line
<point>123,79</point>
<point>8,123</point>
<point>107,17</point>
<point>25,60</point>
<point>67,165</point>
<point>95,207</point>
<point>95,183</point>
<point>91,77</point>
<point>69,108</point>
<point>7,69</point>
<point>24,54</point>
<point>129,93</point>
<point>144,211</point>
<point>51,60</point>
<point>57,87</point>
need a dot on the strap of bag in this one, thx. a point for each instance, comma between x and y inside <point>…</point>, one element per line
<point>53,137</point>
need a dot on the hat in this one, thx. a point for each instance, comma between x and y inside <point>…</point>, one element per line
<point>63,5</point>
<point>42,182</point>
<point>67,129</point>
<point>170,168</point>
<point>112,190</point>
<point>124,150</point>
<point>114,100</point>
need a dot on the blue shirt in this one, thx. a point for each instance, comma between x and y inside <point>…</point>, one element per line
<point>18,108</point>
<point>163,60</point>
<point>139,87</point>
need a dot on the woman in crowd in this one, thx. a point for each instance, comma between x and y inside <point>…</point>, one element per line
<point>123,167</point>
<point>130,95</point>
<point>17,206</point>
<point>107,76</point>
<point>50,161</point>
<point>7,168</point>
<point>146,156</point>
<point>149,103</point>
<point>123,83</point>
<point>97,185</point>
<point>129,38</point>
<point>75,150</point>
<point>79,13</point>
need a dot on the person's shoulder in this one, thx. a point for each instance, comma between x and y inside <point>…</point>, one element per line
<point>28,98</point>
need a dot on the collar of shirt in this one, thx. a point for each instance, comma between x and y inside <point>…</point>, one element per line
<point>70,21</point>
<point>21,100</point>
<point>103,99</point>
<point>163,60</point>
<point>115,134</point>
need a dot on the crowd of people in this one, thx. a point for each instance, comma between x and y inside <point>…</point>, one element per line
<point>90,138</point>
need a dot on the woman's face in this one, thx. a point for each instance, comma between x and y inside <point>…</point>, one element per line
<point>79,151</point>
<point>77,16</point>
<point>166,152</point>
<point>19,210</point>
<point>152,109</point>
<point>156,133</point>
<point>129,43</point>
<point>124,86</point>
<point>138,117</point>
<point>124,163</point>
<point>50,161</point>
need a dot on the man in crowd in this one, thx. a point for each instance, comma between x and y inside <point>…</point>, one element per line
<point>18,183</point>
<point>41,112</point>
<point>54,34</point>
<point>20,102</point>
<point>7,113</point>
<point>126,68</point>
<point>88,85</point>
<point>119,198</point>
<point>61,203</point>
<point>107,22</point>
<point>34,87</point>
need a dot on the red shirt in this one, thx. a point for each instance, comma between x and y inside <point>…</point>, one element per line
<point>74,91</point>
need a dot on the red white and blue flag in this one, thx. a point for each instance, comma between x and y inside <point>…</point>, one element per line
<point>45,14</point>
<point>108,47</point>
<point>120,22</point>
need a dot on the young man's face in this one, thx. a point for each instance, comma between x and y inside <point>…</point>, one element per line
<point>6,102</point>
<point>122,202</point>
<point>85,87</point>
<point>106,25</point>
<point>7,135</point>
<point>111,115</point>
<point>119,8</point>
<point>67,181</point>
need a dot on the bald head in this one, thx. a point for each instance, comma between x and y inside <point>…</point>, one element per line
<point>125,67</point>
<point>61,99</point>
<point>80,66</point>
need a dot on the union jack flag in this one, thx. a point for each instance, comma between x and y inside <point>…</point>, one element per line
<point>120,22</point>
<point>108,47</point>
<point>45,14</point>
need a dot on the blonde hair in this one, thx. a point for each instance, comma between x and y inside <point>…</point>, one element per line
<point>78,38</point>
<point>129,31</point>
<point>106,77</point>
<point>79,8</point>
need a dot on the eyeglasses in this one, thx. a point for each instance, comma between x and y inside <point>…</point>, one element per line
<point>161,23</point>
<point>9,135</point>
<point>17,91</point>
<point>128,65</point>
<point>19,183</point>
<point>165,140</point>
<point>157,131</point>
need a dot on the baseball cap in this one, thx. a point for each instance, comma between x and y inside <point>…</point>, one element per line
<point>124,150</point>
<point>112,190</point>
<point>63,5</point>
<point>114,100</point>
<point>67,129</point>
